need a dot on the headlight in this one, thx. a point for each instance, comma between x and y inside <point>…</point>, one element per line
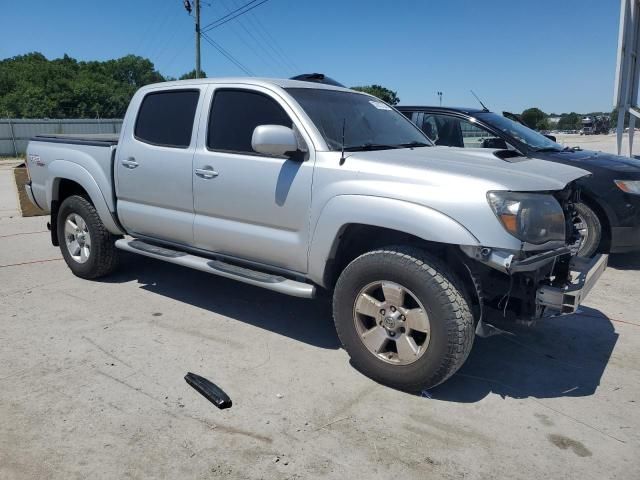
<point>629,186</point>
<point>531,217</point>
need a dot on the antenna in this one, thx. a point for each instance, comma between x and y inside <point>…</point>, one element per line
<point>479,101</point>
<point>342,157</point>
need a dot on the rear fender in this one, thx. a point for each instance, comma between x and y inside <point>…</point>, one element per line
<point>63,169</point>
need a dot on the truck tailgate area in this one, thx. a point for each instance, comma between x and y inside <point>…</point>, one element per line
<point>85,159</point>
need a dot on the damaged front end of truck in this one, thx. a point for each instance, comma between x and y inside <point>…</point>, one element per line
<point>545,277</point>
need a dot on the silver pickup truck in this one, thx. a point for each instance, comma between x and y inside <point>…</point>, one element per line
<point>295,187</point>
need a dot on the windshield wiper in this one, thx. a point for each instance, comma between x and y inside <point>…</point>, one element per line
<point>370,146</point>
<point>548,149</point>
<point>413,144</point>
<point>382,146</point>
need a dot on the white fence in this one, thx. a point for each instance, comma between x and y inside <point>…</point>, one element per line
<point>15,133</point>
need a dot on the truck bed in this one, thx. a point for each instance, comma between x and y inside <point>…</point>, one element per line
<point>59,155</point>
<point>93,139</point>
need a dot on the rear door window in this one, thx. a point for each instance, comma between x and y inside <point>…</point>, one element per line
<point>473,135</point>
<point>453,131</point>
<point>442,130</point>
<point>410,115</point>
<point>234,116</point>
<point>166,118</point>
<point>429,127</point>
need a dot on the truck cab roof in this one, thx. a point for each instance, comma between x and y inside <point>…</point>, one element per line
<point>265,82</point>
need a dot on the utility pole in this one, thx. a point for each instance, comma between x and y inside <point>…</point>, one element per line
<point>197,2</point>
<point>440,96</point>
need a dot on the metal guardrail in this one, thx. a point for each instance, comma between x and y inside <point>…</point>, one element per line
<point>15,133</point>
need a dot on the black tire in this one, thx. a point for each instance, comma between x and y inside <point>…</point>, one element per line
<point>451,322</point>
<point>590,245</point>
<point>103,257</point>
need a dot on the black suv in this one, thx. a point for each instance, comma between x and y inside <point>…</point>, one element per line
<point>609,215</point>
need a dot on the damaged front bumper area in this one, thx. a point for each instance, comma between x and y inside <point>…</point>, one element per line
<point>564,299</point>
<point>529,287</point>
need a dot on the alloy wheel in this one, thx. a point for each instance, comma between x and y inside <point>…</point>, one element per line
<point>77,238</point>
<point>391,322</point>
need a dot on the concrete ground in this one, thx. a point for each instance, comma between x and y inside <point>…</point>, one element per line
<point>603,143</point>
<point>91,382</point>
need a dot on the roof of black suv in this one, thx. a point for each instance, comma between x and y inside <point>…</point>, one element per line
<point>417,108</point>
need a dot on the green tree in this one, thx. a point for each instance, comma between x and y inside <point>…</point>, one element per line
<point>381,92</point>
<point>543,124</point>
<point>32,86</point>
<point>533,116</point>
<point>570,121</point>
<point>192,74</point>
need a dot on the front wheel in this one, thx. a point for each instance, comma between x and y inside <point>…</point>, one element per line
<point>86,245</point>
<point>402,318</point>
<point>590,229</point>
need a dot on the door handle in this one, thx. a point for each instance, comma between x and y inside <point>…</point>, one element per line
<point>207,172</point>
<point>130,163</point>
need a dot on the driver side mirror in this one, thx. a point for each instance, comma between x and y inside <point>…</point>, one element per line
<point>551,137</point>
<point>276,140</point>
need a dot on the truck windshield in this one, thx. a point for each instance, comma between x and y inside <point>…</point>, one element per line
<point>530,138</point>
<point>369,124</point>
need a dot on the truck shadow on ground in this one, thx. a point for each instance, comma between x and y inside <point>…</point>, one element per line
<point>308,321</point>
<point>557,357</point>
<point>625,261</point>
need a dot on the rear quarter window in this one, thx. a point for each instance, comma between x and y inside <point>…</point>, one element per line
<point>166,118</point>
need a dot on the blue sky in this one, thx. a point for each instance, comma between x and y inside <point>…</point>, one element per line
<point>558,55</point>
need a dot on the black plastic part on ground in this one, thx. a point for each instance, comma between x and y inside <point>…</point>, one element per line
<point>209,390</point>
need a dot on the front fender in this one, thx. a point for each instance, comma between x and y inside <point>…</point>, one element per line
<point>406,217</point>
<point>63,169</point>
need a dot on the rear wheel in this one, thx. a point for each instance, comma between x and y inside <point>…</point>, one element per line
<point>590,228</point>
<point>86,245</point>
<point>402,319</point>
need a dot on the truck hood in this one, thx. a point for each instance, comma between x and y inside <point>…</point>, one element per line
<point>481,165</point>
<point>589,158</point>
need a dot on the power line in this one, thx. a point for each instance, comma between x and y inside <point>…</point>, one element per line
<point>266,42</point>
<point>258,45</point>
<point>278,50</point>
<point>231,15</point>
<point>228,14</point>
<point>153,36</point>
<point>164,44</point>
<point>280,56</point>
<point>179,51</point>
<point>271,42</point>
<point>228,55</point>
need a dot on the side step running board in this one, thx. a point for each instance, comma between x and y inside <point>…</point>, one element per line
<point>218,267</point>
